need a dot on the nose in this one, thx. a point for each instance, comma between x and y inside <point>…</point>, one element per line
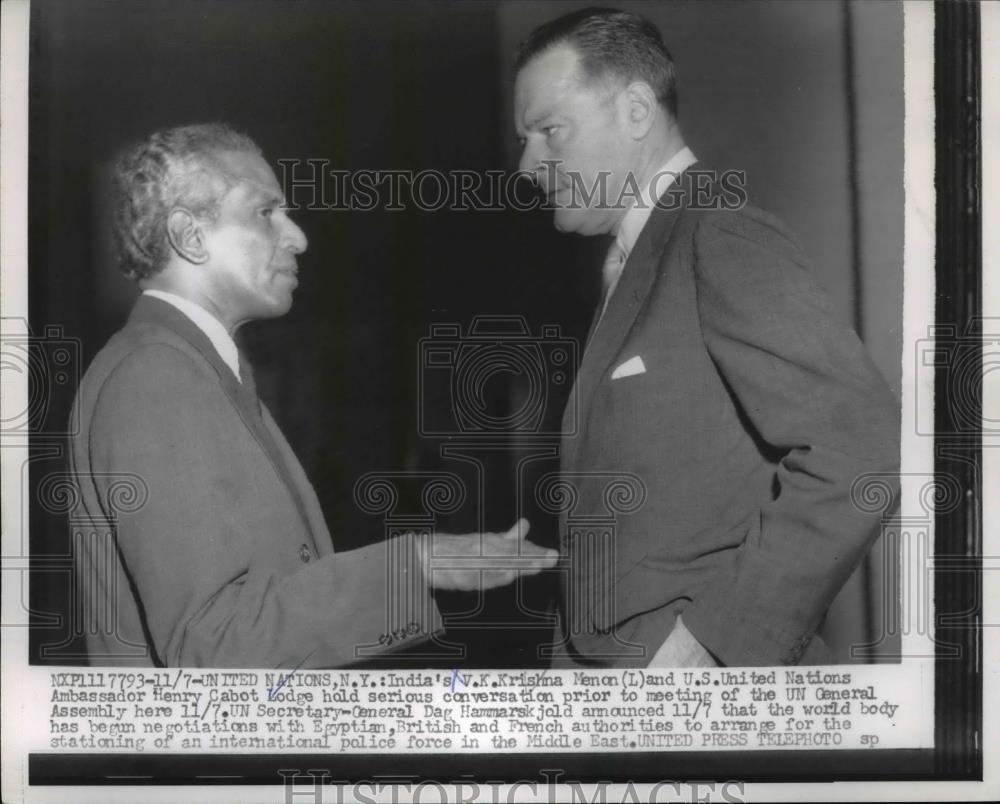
<point>294,238</point>
<point>529,161</point>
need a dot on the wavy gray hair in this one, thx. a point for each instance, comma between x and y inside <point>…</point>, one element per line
<point>172,167</point>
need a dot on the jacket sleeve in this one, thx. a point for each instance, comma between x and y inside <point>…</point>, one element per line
<point>207,598</point>
<point>807,386</point>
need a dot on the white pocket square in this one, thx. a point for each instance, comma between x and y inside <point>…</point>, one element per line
<point>630,367</point>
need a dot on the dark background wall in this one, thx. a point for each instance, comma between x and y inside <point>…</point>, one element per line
<point>805,96</point>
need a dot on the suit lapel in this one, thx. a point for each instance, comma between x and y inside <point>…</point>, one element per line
<point>634,287</point>
<point>150,310</point>
<point>243,395</point>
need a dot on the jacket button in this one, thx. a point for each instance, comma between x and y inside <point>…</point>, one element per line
<point>305,553</point>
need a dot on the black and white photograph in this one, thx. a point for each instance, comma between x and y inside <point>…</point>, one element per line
<point>556,399</point>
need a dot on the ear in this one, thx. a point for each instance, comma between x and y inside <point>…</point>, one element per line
<point>641,108</point>
<point>186,236</point>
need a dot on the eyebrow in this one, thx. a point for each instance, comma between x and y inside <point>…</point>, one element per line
<point>534,123</point>
<point>263,194</point>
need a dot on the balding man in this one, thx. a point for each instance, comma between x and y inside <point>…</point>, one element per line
<point>716,373</point>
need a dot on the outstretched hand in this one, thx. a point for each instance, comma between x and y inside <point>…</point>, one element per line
<point>474,561</point>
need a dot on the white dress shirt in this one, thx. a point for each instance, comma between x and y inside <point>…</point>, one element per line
<point>635,218</point>
<point>631,225</point>
<point>207,323</point>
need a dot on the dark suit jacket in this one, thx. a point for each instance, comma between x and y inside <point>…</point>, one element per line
<point>199,540</point>
<point>756,412</point>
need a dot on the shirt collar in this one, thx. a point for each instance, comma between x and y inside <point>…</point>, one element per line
<point>635,218</point>
<point>207,323</point>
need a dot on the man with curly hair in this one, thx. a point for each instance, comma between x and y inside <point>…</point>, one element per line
<point>226,560</point>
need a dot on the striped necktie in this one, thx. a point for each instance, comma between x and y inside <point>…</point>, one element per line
<point>614,262</point>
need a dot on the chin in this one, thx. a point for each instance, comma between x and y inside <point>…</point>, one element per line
<point>566,222</point>
<point>277,308</point>
<point>571,221</point>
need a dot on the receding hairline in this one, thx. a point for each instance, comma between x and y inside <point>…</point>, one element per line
<point>580,75</point>
<point>215,161</point>
<point>615,47</point>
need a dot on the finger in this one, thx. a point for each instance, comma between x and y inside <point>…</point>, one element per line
<point>525,552</point>
<point>532,550</point>
<point>509,564</point>
<point>505,544</point>
<point>519,530</point>
<point>456,572</point>
<point>543,560</point>
<point>524,568</point>
<point>540,559</point>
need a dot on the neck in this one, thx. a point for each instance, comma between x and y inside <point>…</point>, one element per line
<point>175,282</point>
<point>656,152</point>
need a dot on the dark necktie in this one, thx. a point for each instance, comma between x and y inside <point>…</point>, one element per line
<point>252,404</point>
